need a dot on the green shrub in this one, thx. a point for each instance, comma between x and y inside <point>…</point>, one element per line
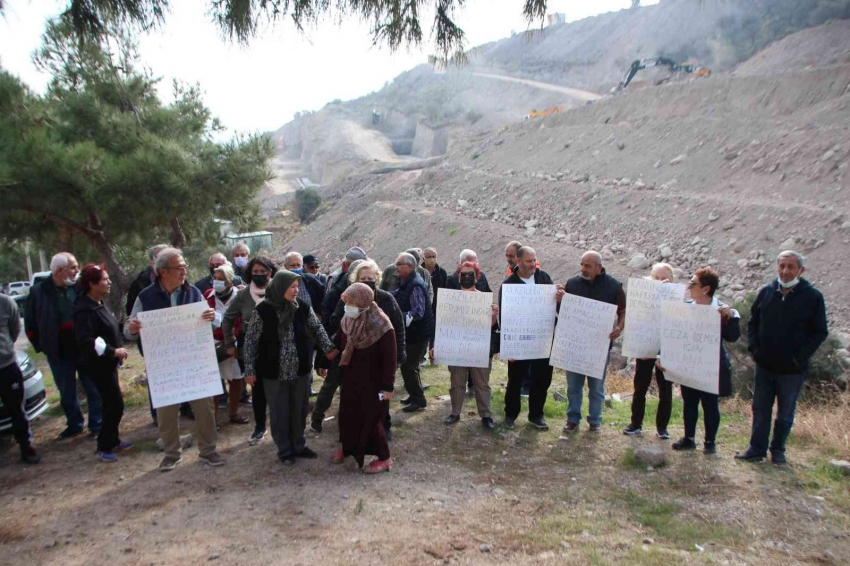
<point>306,202</point>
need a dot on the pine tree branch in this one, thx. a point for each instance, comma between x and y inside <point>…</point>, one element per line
<point>73,224</point>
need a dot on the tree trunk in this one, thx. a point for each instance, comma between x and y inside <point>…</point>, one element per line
<point>178,238</point>
<point>120,279</point>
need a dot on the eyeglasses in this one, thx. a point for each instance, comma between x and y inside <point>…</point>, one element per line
<point>400,264</point>
<point>178,267</point>
<point>693,283</point>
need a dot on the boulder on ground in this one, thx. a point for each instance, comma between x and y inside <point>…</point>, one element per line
<point>650,455</point>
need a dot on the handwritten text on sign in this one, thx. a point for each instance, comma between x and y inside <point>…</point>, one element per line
<point>528,321</point>
<point>179,355</point>
<point>690,345</point>
<point>582,337</point>
<point>463,329</point>
<point>642,333</point>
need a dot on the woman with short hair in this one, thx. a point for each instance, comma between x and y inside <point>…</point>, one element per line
<point>702,286</point>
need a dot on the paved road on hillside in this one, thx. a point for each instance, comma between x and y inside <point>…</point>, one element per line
<point>582,95</point>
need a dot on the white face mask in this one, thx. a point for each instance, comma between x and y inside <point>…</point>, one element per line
<point>69,282</point>
<point>241,262</point>
<point>219,286</point>
<point>352,312</point>
<point>788,285</point>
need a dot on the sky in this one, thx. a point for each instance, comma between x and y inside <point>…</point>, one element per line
<point>260,86</point>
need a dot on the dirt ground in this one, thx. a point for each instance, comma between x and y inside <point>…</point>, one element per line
<point>456,495</point>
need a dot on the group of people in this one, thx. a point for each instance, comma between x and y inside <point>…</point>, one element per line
<point>274,327</point>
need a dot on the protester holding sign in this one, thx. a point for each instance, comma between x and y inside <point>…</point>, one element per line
<point>170,290</point>
<point>702,286</point>
<point>527,273</point>
<point>465,336</point>
<point>593,283</point>
<point>276,350</point>
<point>660,288</point>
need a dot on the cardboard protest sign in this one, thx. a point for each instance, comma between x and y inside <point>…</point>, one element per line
<point>582,336</point>
<point>690,345</point>
<point>462,337</point>
<point>642,332</point>
<point>528,321</point>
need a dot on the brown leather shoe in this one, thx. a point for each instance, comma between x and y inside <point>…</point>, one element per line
<point>570,427</point>
<point>595,428</point>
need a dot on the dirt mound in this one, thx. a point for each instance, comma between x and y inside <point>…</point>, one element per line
<point>815,48</point>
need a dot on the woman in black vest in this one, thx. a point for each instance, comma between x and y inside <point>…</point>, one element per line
<point>99,342</point>
<point>277,346</point>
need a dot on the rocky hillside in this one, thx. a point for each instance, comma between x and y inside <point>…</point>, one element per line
<point>725,171</point>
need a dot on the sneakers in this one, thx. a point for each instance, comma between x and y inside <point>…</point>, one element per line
<point>316,426</point>
<point>213,459</point>
<point>107,457</point>
<point>70,433</point>
<point>257,437</point>
<point>749,456</point>
<point>570,427</point>
<point>663,434</point>
<point>778,458</point>
<point>29,455</point>
<point>508,422</point>
<point>452,419</point>
<point>488,423</point>
<point>338,456</point>
<point>123,446</point>
<point>709,448</point>
<point>169,463</point>
<point>539,423</point>
<point>307,453</point>
<point>595,428</point>
<point>684,443</point>
<point>378,466</point>
<point>632,430</point>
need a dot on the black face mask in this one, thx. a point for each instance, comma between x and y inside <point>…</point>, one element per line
<point>467,280</point>
<point>260,280</point>
<point>370,284</point>
<point>212,271</point>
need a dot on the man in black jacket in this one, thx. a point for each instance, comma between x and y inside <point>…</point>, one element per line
<point>527,273</point>
<point>593,283</point>
<point>144,278</point>
<point>205,283</point>
<point>787,325</point>
<point>438,279</point>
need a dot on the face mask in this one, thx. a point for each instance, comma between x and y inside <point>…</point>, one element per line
<point>788,285</point>
<point>241,262</point>
<point>370,284</point>
<point>299,271</point>
<point>212,271</point>
<point>69,282</point>
<point>219,286</point>
<point>467,280</point>
<point>260,280</point>
<point>351,312</point>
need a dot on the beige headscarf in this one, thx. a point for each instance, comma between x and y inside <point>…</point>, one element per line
<point>367,328</point>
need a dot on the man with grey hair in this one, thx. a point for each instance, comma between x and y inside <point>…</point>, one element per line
<point>170,290</point>
<point>49,325</point>
<point>311,289</point>
<point>412,298</point>
<point>390,279</point>
<point>241,256</point>
<point>144,278</point>
<point>786,327</point>
<point>593,283</point>
<point>453,281</point>
<point>205,283</point>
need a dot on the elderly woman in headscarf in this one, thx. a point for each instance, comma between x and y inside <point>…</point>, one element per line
<point>368,360</point>
<point>277,346</point>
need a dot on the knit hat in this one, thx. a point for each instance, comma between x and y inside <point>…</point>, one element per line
<point>355,253</point>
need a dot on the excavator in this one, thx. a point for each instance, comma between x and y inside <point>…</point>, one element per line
<point>675,67</point>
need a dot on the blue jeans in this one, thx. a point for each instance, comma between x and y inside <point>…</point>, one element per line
<point>65,378</point>
<point>596,396</point>
<point>785,389</point>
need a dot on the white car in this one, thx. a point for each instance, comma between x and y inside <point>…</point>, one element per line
<point>18,288</point>
<point>36,396</point>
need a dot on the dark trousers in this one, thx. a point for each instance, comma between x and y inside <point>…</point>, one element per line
<point>14,401</point>
<point>691,399</point>
<point>326,393</point>
<point>113,409</point>
<point>286,413</point>
<point>643,378</point>
<point>65,377</point>
<point>410,372</point>
<point>785,390</point>
<point>541,379</point>
<point>258,402</point>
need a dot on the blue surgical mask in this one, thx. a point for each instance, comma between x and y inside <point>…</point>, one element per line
<point>219,286</point>
<point>299,271</point>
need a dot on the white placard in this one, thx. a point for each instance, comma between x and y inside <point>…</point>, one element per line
<point>179,355</point>
<point>528,321</point>
<point>690,345</point>
<point>582,337</point>
<point>464,319</point>
<point>642,332</point>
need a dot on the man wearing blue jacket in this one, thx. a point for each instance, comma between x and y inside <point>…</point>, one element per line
<point>787,325</point>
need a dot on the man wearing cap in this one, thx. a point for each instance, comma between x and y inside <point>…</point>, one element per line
<point>311,266</point>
